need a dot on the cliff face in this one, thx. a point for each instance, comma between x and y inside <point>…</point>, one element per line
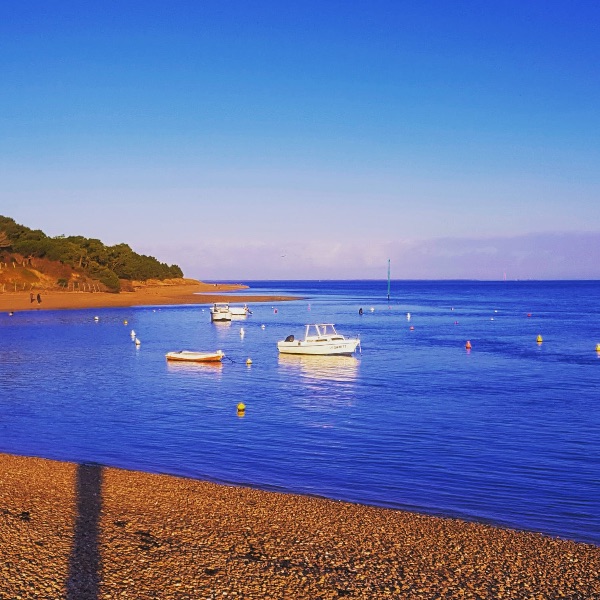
<point>20,274</point>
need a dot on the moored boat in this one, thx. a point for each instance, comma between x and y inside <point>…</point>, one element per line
<point>220,311</point>
<point>240,311</point>
<point>191,356</point>
<point>319,339</point>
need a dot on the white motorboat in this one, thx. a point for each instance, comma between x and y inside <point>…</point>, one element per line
<point>220,311</point>
<point>190,356</point>
<point>319,339</point>
<point>240,311</point>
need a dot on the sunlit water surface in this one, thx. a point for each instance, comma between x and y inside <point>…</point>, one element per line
<point>507,433</point>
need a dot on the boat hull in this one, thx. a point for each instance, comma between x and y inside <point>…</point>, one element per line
<point>345,347</point>
<point>188,356</point>
<point>221,316</point>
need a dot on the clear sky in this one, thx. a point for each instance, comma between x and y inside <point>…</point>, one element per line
<point>258,140</point>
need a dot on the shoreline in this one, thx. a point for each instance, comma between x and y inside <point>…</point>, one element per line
<point>90,531</point>
<point>155,295</point>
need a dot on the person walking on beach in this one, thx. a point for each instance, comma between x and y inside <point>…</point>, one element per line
<point>39,298</point>
<point>31,298</point>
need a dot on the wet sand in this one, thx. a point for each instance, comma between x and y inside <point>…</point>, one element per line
<point>91,532</point>
<point>193,292</point>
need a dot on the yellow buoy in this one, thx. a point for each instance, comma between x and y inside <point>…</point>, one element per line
<point>248,361</point>
<point>539,339</point>
<point>468,345</point>
<point>125,322</point>
<point>241,409</point>
<point>597,347</point>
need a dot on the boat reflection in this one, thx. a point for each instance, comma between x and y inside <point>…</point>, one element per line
<point>222,328</point>
<point>336,368</point>
<point>195,368</point>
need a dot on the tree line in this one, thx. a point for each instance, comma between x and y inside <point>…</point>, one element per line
<point>107,264</point>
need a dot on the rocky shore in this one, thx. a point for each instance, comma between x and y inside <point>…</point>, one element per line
<point>90,532</point>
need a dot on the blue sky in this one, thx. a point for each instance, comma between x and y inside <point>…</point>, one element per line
<point>258,140</point>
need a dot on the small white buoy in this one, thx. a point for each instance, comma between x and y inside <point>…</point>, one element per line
<point>408,316</point>
<point>242,332</point>
<point>96,318</point>
<point>137,342</point>
<point>262,326</point>
<point>372,309</point>
<point>132,334</point>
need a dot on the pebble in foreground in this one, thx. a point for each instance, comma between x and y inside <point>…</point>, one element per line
<point>90,532</point>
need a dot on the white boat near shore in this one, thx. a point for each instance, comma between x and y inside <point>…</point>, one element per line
<point>319,339</point>
<point>239,312</point>
<point>220,311</point>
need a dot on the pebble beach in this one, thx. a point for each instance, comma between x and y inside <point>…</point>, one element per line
<point>84,531</point>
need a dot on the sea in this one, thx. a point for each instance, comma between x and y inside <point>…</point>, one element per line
<point>506,432</point>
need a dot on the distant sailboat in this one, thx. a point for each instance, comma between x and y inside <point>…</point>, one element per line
<point>388,280</point>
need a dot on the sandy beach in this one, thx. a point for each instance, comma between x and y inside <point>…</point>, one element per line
<point>90,532</point>
<point>191,292</point>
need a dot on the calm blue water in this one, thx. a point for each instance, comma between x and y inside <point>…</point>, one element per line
<point>508,433</point>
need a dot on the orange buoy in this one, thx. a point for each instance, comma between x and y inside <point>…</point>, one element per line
<point>468,345</point>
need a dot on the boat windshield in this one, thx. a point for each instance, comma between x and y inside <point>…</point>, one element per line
<point>321,330</point>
